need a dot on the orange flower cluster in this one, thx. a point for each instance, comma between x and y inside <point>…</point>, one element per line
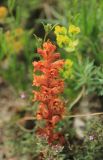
<point>51,107</point>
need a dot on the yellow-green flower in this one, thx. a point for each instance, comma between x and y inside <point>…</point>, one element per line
<point>60,30</point>
<point>72,45</point>
<point>73,29</point>
<point>62,40</point>
<point>68,63</point>
<point>68,69</point>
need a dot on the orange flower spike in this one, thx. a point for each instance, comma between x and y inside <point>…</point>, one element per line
<point>51,108</point>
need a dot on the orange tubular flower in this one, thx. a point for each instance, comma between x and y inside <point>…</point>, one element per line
<point>51,107</point>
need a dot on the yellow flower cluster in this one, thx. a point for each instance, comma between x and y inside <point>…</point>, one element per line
<point>3,12</point>
<point>14,40</point>
<point>66,38</point>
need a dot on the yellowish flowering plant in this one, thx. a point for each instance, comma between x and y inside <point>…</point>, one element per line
<point>15,40</point>
<point>66,38</point>
<point>3,12</point>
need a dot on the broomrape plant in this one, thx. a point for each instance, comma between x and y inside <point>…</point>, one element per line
<point>51,107</point>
